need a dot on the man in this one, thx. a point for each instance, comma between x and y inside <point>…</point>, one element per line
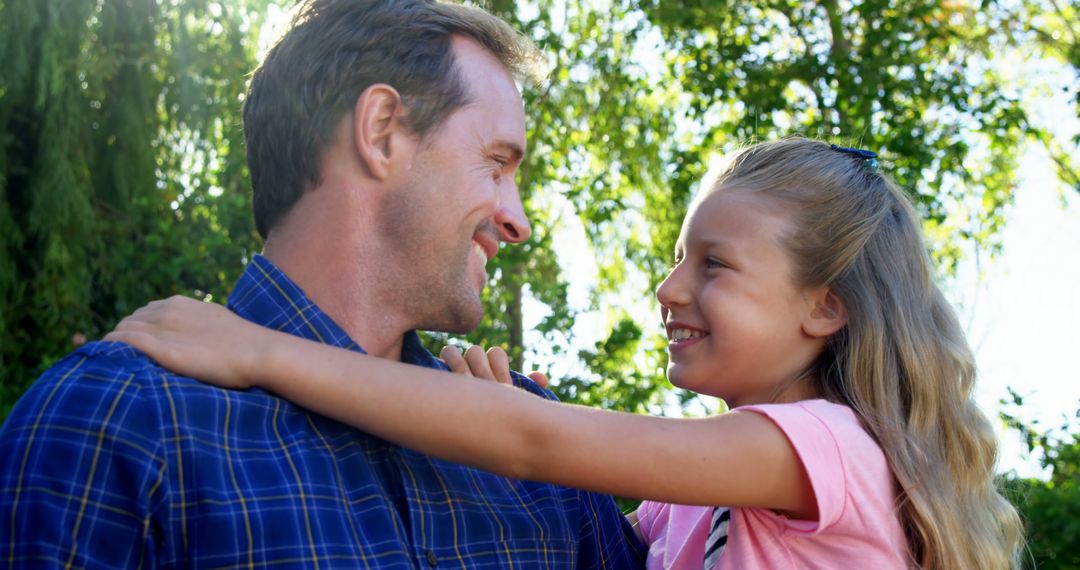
<point>383,137</point>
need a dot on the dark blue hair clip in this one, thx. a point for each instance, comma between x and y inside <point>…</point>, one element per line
<point>869,156</point>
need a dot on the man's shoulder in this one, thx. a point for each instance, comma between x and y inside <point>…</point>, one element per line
<point>526,383</point>
<point>100,382</point>
<point>104,366</point>
<point>95,405</point>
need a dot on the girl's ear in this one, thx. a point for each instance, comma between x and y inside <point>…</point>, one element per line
<point>827,313</point>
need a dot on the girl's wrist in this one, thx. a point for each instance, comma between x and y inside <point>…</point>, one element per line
<point>257,369</point>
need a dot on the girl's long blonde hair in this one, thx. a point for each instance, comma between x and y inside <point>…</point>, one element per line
<point>901,362</point>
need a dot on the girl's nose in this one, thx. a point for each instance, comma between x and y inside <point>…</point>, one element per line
<point>673,291</point>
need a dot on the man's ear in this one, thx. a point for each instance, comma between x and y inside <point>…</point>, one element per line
<point>827,313</point>
<point>378,127</point>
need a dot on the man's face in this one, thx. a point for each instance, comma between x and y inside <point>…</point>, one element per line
<point>460,201</point>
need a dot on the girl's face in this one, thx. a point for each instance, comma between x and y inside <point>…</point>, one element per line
<point>734,316</point>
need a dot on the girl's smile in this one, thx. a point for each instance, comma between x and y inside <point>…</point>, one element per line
<point>681,336</point>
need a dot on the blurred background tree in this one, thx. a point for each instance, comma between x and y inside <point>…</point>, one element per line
<point>122,174</point>
<point>1051,506</point>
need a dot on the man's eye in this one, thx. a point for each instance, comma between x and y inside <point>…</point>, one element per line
<point>498,168</point>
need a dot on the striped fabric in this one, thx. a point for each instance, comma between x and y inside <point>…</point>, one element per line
<point>110,461</point>
<point>717,538</point>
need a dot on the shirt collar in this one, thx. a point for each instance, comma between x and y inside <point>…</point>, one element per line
<point>266,296</point>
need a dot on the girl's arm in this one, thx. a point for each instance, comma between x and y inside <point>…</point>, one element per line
<point>734,459</point>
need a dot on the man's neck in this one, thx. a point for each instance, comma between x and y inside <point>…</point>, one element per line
<point>332,283</point>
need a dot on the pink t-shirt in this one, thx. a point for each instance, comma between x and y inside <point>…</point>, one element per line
<point>857,526</point>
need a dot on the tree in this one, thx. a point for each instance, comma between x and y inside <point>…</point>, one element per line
<point>909,80</point>
<point>1053,24</point>
<point>1050,508</point>
<point>121,172</point>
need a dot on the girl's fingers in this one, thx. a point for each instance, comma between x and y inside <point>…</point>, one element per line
<point>478,363</point>
<point>452,357</point>
<point>129,324</point>
<point>500,365</point>
<point>144,342</point>
<point>540,378</point>
<point>493,365</point>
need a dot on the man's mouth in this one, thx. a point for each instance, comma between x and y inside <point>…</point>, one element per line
<point>485,246</point>
<point>480,254</point>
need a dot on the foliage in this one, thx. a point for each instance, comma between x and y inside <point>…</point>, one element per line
<point>909,80</point>
<point>122,177</point>
<point>1050,508</point>
<point>1055,26</point>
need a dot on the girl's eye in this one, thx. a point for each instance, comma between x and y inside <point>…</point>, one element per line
<point>713,263</point>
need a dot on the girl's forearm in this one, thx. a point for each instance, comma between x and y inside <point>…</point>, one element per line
<point>737,459</point>
<point>485,424</point>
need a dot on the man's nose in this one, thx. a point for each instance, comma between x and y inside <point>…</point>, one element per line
<point>510,219</point>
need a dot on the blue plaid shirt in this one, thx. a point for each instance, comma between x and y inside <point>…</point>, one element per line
<point>111,461</point>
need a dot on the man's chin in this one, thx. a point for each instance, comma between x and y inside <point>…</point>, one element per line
<point>461,319</point>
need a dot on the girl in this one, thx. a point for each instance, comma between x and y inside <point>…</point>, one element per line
<point>801,294</point>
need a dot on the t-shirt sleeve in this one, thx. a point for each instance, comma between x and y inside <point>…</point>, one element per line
<point>818,450</point>
<point>647,513</point>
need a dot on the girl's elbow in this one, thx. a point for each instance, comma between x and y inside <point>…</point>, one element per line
<point>527,450</point>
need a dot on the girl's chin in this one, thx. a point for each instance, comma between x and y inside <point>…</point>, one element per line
<point>687,382</point>
<point>680,379</point>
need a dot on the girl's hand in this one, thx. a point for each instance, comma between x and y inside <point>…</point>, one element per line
<point>201,340</point>
<point>493,365</point>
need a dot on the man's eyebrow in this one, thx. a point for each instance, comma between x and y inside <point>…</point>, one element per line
<point>515,150</point>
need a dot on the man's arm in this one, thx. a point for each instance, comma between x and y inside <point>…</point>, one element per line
<point>81,474</point>
<point>607,538</point>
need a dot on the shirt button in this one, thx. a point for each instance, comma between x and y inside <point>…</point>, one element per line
<point>432,560</point>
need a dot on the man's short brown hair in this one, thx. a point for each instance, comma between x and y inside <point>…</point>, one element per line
<point>333,51</point>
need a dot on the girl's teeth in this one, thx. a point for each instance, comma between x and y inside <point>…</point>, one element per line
<point>684,334</point>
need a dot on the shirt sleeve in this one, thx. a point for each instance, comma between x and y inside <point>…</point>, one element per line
<point>525,383</point>
<point>818,450</point>
<point>606,538</point>
<point>81,474</point>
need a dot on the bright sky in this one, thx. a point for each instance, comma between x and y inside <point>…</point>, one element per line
<point>1022,318</point>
